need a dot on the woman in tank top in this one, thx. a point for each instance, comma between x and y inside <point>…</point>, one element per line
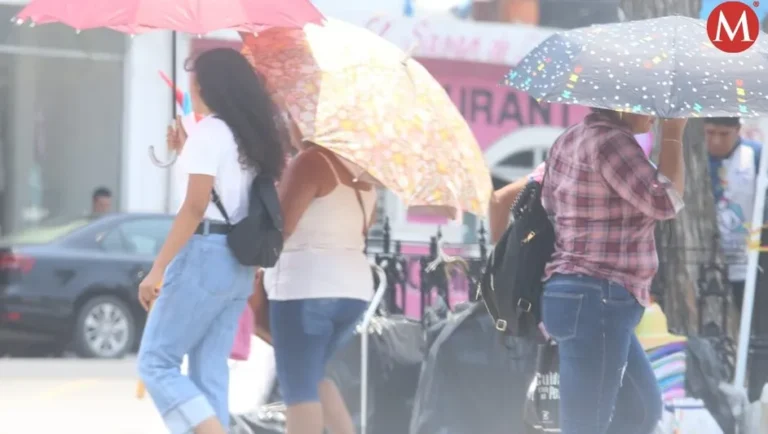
<point>321,285</point>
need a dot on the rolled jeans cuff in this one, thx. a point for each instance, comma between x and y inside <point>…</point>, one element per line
<point>184,418</point>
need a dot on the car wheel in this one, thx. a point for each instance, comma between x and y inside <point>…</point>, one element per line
<point>105,328</point>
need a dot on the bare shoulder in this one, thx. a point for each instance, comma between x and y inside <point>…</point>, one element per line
<point>309,159</point>
<point>307,167</point>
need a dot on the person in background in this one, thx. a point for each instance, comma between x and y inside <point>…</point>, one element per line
<point>101,201</point>
<point>320,287</point>
<point>733,166</point>
<point>604,198</point>
<point>204,287</point>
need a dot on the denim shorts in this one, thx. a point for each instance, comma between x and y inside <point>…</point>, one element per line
<point>305,335</point>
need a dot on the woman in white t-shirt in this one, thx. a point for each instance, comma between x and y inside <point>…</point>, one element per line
<point>204,288</point>
<point>321,285</point>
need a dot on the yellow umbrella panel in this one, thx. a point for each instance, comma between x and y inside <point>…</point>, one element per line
<point>350,91</point>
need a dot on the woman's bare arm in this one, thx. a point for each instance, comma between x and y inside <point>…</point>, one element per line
<point>501,202</point>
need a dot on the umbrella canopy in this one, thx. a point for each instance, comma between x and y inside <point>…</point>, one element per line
<point>354,93</point>
<point>189,16</point>
<point>664,67</point>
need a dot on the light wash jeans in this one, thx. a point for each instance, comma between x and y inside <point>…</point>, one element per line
<point>204,292</point>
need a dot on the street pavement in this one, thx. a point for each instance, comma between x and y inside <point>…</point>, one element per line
<point>42,396</point>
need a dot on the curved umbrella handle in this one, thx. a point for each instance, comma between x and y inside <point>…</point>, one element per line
<point>156,161</point>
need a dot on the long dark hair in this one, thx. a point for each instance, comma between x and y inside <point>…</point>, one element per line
<point>236,94</point>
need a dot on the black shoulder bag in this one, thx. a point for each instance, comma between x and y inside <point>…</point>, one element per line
<point>511,285</point>
<point>256,240</point>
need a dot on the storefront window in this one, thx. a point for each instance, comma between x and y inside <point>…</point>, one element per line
<point>61,105</point>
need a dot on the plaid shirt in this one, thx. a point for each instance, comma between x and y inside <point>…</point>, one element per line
<point>604,197</point>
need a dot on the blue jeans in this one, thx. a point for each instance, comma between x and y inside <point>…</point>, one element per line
<point>607,385</point>
<point>204,292</point>
<point>305,334</point>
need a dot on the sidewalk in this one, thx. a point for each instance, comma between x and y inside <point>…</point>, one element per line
<point>43,396</point>
<point>46,396</point>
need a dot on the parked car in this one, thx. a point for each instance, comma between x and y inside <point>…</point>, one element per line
<point>74,284</point>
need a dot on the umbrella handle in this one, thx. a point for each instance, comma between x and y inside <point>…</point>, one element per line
<point>156,161</point>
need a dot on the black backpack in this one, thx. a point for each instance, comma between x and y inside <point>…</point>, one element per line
<point>256,240</point>
<point>511,284</point>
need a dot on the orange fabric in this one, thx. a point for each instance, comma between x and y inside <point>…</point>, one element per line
<point>519,11</point>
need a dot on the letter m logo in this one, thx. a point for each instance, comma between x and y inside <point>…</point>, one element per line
<point>733,27</point>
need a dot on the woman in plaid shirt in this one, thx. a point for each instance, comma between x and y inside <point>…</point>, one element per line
<point>604,197</point>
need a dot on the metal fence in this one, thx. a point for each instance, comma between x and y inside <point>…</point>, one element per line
<point>437,277</point>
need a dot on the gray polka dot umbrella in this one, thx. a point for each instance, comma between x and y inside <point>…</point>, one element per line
<point>665,67</point>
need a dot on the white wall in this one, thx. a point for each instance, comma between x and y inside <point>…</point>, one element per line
<point>146,116</point>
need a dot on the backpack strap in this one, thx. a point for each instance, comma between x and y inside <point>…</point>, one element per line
<point>217,201</point>
<point>262,189</point>
<point>267,194</point>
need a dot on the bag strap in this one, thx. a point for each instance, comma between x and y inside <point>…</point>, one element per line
<point>362,208</point>
<point>263,190</point>
<point>217,201</point>
<point>267,194</point>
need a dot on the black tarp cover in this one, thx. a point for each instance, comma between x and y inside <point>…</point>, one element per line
<point>473,380</point>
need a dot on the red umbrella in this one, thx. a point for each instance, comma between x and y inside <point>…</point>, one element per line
<point>189,16</point>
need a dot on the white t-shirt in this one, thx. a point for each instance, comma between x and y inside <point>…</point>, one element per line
<point>211,149</point>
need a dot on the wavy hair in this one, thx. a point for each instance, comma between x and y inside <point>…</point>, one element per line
<point>237,95</point>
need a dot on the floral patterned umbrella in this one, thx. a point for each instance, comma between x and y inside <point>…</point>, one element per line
<point>354,93</point>
<point>664,67</point>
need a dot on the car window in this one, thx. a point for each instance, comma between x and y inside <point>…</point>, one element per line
<point>139,237</point>
<point>43,234</point>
